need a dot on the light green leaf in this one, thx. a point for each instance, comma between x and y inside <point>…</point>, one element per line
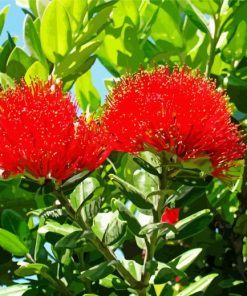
<point>30,269</point>
<point>55,32</point>
<point>15,290</point>
<point>6,81</point>
<point>76,10</point>
<point>41,6</point>
<point>112,281</point>
<point>36,70</point>
<point>183,261</point>
<point>157,226</point>
<point>134,268</point>
<point>75,60</point>
<point>194,14</point>
<point>11,243</point>
<point>199,286</point>
<point>52,226</point>
<point>87,95</point>
<point>32,40</point>
<point>3,14</point>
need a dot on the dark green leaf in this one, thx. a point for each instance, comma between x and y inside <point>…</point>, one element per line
<point>132,193</point>
<point>71,241</point>
<point>70,184</point>
<point>99,271</point>
<point>115,231</point>
<point>126,215</point>
<point>191,225</point>
<point>146,166</point>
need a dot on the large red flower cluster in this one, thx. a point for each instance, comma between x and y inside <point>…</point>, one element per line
<point>41,135</point>
<point>180,112</point>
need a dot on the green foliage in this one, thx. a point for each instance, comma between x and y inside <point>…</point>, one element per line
<point>107,238</point>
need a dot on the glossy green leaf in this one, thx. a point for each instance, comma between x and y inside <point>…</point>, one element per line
<point>146,166</point>
<point>31,269</point>
<point>18,63</point>
<point>14,290</point>
<point>36,70</point>
<point>32,40</point>
<point>76,10</point>
<point>113,281</point>
<point>127,216</point>
<point>3,14</point>
<point>69,185</point>
<point>167,273</point>
<point>91,210</point>
<point>55,32</point>
<point>6,50</point>
<point>115,231</point>
<point>200,285</point>
<point>71,241</point>
<point>75,60</point>
<point>134,268</point>
<point>99,271</point>
<point>183,261</point>
<point>132,193</point>
<point>149,228</point>
<point>52,226</point>
<point>191,225</point>
<point>94,26</point>
<point>87,95</point>
<point>12,221</point>
<point>194,14</point>
<point>11,243</point>
<point>41,6</point>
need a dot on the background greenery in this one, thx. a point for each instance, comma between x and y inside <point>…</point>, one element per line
<point>65,38</point>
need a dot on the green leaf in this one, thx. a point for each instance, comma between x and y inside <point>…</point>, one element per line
<point>52,226</point>
<point>146,166</point>
<point>94,26</point>
<point>112,281</point>
<point>76,10</point>
<point>6,81</point>
<point>75,60</point>
<point>87,95</point>
<point>32,40</point>
<point>11,243</point>
<point>71,241</point>
<point>126,215</point>
<point>41,6</point>
<point>229,283</point>
<point>99,271</point>
<point>15,223</point>
<point>6,50</point>
<point>69,185</point>
<point>131,192</point>
<point>149,228</point>
<point>36,70</point>
<point>3,14</point>
<point>30,269</point>
<point>167,273</point>
<point>91,210</point>
<point>134,268</point>
<point>14,290</point>
<point>191,225</point>
<point>194,14</point>
<point>241,225</point>
<point>199,286</point>
<point>183,261</point>
<point>55,32</point>
<point>18,63</point>
<point>115,231</point>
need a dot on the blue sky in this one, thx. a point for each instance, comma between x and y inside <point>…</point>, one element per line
<point>14,25</point>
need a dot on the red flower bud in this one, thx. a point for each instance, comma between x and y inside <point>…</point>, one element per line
<point>170,216</point>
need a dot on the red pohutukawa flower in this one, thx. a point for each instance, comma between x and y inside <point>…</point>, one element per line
<point>41,135</point>
<point>170,216</point>
<point>180,112</point>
